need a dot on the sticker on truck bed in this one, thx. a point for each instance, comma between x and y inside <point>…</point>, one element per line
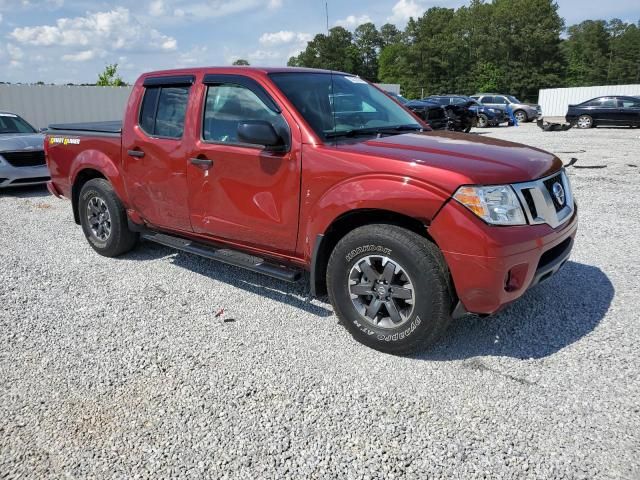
<point>64,141</point>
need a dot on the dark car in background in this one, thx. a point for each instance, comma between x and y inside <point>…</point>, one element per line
<point>22,159</point>
<point>432,113</point>
<point>523,112</point>
<point>611,111</point>
<point>486,116</point>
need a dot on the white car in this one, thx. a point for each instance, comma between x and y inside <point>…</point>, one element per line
<point>22,159</point>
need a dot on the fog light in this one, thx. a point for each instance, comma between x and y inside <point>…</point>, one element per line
<point>515,277</point>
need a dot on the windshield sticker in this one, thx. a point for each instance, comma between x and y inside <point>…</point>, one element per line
<point>355,79</point>
<point>64,141</point>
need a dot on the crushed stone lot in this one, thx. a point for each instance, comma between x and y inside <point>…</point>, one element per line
<point>120,368</point>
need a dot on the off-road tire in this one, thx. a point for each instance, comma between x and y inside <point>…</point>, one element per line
<point>120,239</point>
<point>424,265</point>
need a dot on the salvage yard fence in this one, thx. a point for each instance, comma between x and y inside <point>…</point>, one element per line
<point>554,102</point>
<point>42,105</point>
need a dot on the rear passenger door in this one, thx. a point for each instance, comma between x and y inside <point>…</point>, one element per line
<point>154,154</point>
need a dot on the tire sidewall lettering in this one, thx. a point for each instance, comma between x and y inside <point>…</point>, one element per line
<point>367,249</point>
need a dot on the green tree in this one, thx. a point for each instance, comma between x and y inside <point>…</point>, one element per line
<point>367,41</point>
<point>110,78</point>
<point>240,61</point>
<point>335,51</point>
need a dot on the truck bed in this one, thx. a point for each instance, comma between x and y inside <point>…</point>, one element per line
<point>90,128</point>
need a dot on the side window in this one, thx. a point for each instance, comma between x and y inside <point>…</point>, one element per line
<point>626,103</point>
<point>501,100</point>
<point>163,111</point>
<point>487,100</point>
<point>608,102</point>
<point>229,105</point>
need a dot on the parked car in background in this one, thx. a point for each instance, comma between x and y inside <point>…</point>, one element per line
<point>523,112</point>
<point>612,110</point>
<point>430,112</point>
<point>22,159</point>
<point>486,116</point>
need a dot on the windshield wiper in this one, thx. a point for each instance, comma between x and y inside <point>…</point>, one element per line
<point>390,130</point>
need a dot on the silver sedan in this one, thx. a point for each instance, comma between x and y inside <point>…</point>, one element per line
<point>22,160</point>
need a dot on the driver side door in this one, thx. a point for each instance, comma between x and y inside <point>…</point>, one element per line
<point>243,192</point>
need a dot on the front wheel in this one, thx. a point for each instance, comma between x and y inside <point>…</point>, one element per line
<point>483,121</point>
<point>104,219</point>
<point>390,287</point>
<point>520,116</point>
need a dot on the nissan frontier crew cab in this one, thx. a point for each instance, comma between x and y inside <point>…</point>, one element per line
<point>308,173</point>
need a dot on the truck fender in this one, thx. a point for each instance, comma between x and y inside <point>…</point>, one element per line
<point>405,196</point>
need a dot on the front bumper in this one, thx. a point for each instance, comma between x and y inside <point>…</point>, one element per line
<point>11,176</point>
<point>492,266</point>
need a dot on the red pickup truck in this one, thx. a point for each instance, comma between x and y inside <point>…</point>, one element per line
<point>317,174</point>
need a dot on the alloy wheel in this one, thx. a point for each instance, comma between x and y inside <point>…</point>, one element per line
<point>381,291</point>
<point>99,218</point>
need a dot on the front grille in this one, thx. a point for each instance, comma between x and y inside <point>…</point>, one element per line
<point>24,159</point>
<point>526,193</point>
<point>31,180</point>
<point>549,183</point>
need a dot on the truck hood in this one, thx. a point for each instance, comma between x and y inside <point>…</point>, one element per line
<point>15,142</point>
<point>465,158</point>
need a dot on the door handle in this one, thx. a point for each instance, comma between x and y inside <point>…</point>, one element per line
<point>202,162</point>
<point>135,153</point>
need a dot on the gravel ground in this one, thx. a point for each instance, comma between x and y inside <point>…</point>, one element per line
<point>120,368</point>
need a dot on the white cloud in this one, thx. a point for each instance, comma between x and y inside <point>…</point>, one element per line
<point>275,4</point>
<point>405,9</point>
<point>0,18</point>
<point>283,37</point>
<point>157,8</point>
<point>116,29</point>
<point>80,56</point>
<point>353,21</point>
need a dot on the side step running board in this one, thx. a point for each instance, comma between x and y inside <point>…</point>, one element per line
<point>230,257</point>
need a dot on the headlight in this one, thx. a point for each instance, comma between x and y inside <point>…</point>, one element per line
<point>497,205</point>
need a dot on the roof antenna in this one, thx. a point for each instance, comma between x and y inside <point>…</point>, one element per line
<point>326,8</point>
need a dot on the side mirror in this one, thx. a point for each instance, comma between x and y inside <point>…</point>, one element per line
<point>260,132</point>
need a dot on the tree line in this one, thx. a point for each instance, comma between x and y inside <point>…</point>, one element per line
<point>507,46</point>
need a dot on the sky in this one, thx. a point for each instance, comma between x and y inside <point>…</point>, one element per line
<point>61,41</point>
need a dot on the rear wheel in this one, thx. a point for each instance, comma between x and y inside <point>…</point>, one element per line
<point>104,219</point>
<point>483,121</point>
<point>390,288</point>
<point>584,121</point>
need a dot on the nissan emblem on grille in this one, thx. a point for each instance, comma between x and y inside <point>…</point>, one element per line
<point>558,192</point>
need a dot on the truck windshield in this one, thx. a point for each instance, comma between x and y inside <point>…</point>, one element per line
<point>10,123</point>
<point>337,105</point>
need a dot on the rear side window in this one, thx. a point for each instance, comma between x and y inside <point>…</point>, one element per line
<point>487,100</point>
<point>163,111</point>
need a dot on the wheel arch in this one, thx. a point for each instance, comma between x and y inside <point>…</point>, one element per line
<point>82,177</point>
<point>325,242</point>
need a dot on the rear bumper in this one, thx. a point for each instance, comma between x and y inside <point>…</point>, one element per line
<point>11,176</point>
<point>493,266</point>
